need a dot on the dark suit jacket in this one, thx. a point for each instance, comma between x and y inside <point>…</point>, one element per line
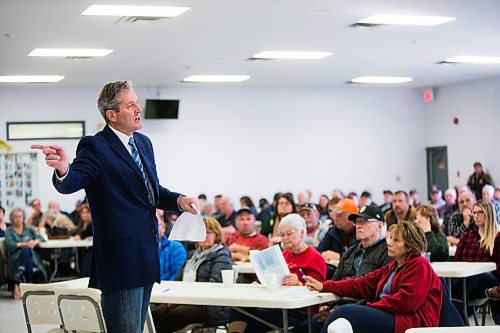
<point>125,251</point>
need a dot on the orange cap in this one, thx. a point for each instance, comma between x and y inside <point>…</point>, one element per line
<point>347,205</point>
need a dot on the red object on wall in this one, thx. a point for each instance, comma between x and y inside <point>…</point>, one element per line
<point>456,120</point>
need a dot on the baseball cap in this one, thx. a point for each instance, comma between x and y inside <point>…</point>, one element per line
<point>245,209</point>
<point>368,212</point>
<point>307,205</point>
<point>347,205</point>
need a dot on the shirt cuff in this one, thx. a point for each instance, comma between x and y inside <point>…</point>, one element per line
<point>60,179</point>
<point>179,206</point>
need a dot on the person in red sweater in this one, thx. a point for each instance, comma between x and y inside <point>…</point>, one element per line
<point>403,294</point>
<point>302,260</point>
<point>246,238</point>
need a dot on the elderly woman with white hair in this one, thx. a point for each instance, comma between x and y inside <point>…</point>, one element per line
<point>302,260</point>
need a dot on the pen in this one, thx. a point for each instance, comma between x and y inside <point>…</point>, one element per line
<point>302,272</point>
<point>165,290</point>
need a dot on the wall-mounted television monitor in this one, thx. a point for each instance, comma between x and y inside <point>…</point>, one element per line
<point>161,109</point>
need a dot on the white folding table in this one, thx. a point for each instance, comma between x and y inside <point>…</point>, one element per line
<point>240,296</point>
<point>58,244</point>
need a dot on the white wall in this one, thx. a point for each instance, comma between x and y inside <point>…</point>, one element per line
<point>475,138</point>
<point>239,141</point>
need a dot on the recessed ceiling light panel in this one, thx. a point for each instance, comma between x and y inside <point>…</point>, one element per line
<point>70,52</point>
<point>31,78</point>
<point>216,78</point>
<point>405,19</point>
<point>291,55</point>
<point>381,79</point>
<point>140,11</point>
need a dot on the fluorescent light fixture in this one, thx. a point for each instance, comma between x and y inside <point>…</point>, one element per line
<point>140,11</point>
<point>31,78</point>
<point>291,55</point>
<point>216,78</point>
<point>381,79</point>
<point>474,59</point>
<point>70,52</point>
<point>405,19</point>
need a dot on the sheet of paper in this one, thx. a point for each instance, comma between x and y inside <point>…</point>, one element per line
<point>270,260</point>
<point>188,227</point>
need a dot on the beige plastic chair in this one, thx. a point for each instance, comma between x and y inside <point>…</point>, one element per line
<point>80,309</point>
<point>40,305</point>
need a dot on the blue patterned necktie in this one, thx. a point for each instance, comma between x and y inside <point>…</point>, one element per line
<point>137,160</point>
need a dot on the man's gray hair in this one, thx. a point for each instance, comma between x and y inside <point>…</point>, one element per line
<point>293,221</point>
<point>489,189</point>
<point>108,98</point>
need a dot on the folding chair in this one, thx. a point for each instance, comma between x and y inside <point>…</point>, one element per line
<point>80,309</point>
<point>40,305</point>
<point>149,326</point>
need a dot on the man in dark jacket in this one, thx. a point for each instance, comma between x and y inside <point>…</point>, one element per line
<point>478,179</point>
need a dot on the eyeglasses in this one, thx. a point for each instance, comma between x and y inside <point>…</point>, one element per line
<point>477,212</point>
<point>210,232</point>
<point>288,233</point>
<point>336,211</point>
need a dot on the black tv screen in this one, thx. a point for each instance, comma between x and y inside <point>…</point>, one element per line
<point>161,109</point>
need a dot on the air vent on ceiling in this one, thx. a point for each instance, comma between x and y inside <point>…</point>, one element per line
<point>364,25</point>
<point>79,58</point>
<point>133,19</point>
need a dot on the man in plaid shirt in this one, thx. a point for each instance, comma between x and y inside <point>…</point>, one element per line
<point>462,220</point>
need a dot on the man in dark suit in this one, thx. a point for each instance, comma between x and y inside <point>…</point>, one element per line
<point>116,167</point>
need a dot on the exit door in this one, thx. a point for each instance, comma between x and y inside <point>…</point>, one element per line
<point>437,168</point>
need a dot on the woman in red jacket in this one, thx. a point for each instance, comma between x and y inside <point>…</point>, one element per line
<point>403,294</point>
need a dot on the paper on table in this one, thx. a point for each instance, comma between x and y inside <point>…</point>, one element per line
<point>188,227</point>
<point>270,260</point>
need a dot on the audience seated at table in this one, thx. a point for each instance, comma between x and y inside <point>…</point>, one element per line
<point>172,253</point>
<point>370,254</point>
<point>227,216</point>
<point>481,244</point>
<point>246,238</point>
<point>284,205</point>
<point>203,265</point>
<point>300,258</point>
<point>56,225</point>
<point>461,220</point>
<point>401,209</point>
<point>83,231</point>
<point>427,220</point>
<point>3,227</point>
<point>403,294</point>
<point>36,214</point>
<point>342,234</point>
<point>20,241</point>
<point>315,230</point>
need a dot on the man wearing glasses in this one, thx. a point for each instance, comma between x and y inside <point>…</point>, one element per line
<point>342,235</point>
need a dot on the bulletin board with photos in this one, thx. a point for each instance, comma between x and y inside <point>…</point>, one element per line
<point>18,175</point>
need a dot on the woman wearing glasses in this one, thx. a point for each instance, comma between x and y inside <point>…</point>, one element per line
<point>403,294</point>
<point>301,260</point>
<point>482,243</point>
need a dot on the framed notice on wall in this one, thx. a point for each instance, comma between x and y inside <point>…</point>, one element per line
<point>18,179</point>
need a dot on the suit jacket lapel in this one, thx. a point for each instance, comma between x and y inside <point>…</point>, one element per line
<point>118,147</point>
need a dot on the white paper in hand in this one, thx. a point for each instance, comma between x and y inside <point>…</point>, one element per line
<point>189,227</point>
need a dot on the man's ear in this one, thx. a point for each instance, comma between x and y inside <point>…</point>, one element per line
<point>111,115</point>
